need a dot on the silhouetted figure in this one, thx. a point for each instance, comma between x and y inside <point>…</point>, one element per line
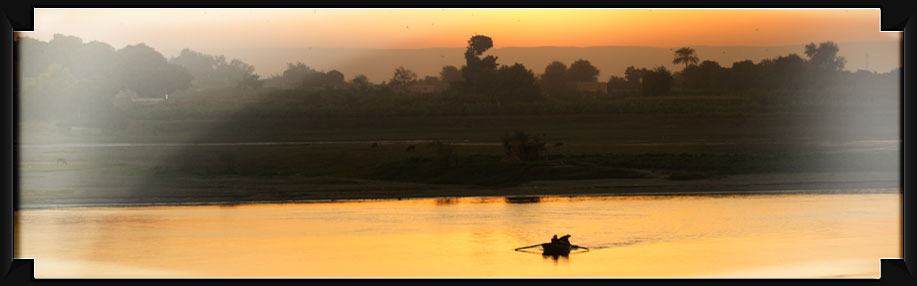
<point>375,145</point>
<point>410,148</point>
<point>559,144</point>
<point>558,246</point>
<point>62,161</point>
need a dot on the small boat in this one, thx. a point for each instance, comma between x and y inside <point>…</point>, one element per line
<point>556,248</point>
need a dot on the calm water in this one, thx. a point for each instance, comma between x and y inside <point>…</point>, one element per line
<point>787,235</point>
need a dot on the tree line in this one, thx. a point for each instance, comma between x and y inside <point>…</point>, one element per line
<point>821,70</point>
<point>480,75</point>
<point>67,79</point>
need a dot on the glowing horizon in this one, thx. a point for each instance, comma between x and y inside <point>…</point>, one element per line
<point>174,29</point>
<point>240,33</point>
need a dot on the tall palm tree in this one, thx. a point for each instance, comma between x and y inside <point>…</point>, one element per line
<point>685,55</point>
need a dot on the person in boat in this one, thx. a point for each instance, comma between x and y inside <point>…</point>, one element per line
<point>563,239</point>
<point>554,239</point>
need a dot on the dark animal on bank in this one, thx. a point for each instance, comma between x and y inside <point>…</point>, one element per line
<point>410,148</point>
<point>62,161</point>
<point>375,145</point>
<point>559,144</point>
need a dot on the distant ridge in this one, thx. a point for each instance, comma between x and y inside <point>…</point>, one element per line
<point>379,64</point>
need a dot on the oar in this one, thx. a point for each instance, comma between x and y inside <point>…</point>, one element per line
<point>534,245</point>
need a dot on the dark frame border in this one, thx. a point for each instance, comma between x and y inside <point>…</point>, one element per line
<point>18,16</point>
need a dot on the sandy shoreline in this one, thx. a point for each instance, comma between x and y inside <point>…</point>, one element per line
<point>234,191</point>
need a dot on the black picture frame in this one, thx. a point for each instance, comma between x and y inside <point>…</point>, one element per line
<point>18,16</point>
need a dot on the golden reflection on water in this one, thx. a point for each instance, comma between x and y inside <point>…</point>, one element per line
<point>793,235</point>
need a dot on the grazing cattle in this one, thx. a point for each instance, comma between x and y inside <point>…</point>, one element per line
<point>410,148</point>
<point>62,161</point>
<point>375,145</point>
<point>559,144</point>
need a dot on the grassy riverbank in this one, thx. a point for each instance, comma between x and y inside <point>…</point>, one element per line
<point>239,174</point>
<point>307,148</point>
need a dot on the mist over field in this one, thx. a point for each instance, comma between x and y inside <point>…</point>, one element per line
<point>364,123</point>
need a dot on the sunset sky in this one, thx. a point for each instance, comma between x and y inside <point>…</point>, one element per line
<point>171,29</point>
<point>225,31</point>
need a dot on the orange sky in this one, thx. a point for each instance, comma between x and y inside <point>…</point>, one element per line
<point>170,30</point>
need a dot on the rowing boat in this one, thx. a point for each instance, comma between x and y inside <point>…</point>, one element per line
<point>556,248</point>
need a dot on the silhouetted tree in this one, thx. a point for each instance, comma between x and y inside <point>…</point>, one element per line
<point>657,81</point>
<point>477,45</point>
<point>515,83</point>
<point>203,68</point>
<point>617,83</point>
<point>361,82</point>
<point>789,72</point>
<point>402,78</point>
<point>554,79</point>
<point>62,50</point>
<point>825,64</point>
<point>67,79</point>
<point>634,76</point>
<point>450,74</point>
<point>210,71</point>
<point>824,57</point>
<point>240,74</point>
<point>478,69</point>
<point>148,73</point>
<point>83,60</point>
<point>582,71</point>
<point>742,75</point>
<point>686,56</point>
<point>93,59</point>
<point>482,77</point>
<point>706,76</point>
<point>822,71</point>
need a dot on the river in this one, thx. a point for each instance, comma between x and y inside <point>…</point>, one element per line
<point>751,236</point>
